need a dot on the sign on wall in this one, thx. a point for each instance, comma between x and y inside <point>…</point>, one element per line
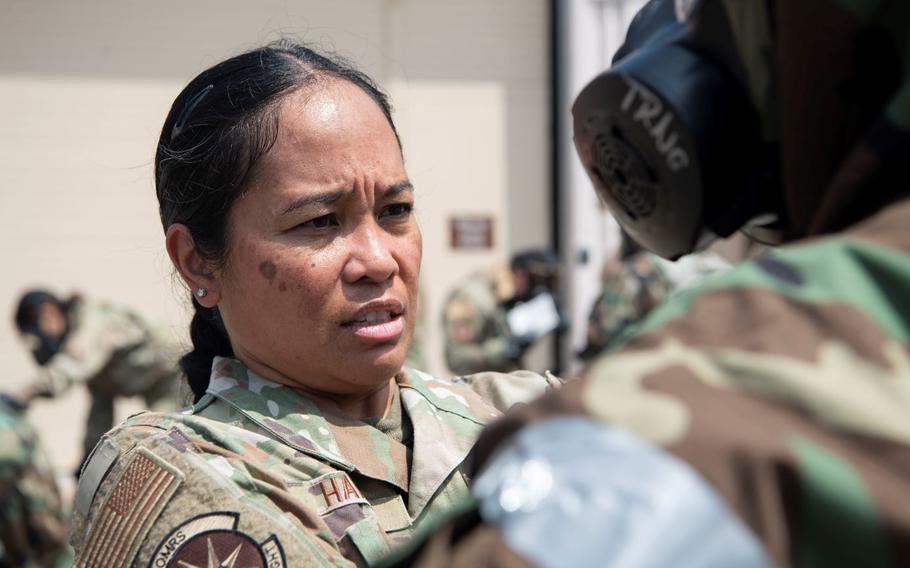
<point>471,232</point>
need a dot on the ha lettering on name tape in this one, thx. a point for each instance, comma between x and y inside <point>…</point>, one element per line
<point>336,490</point>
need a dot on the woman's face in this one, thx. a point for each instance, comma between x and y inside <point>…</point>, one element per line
<point>320,286</point>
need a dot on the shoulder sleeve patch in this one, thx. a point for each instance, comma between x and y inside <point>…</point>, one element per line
<point>93,473</point>
<point>213,539</point>
<point>129,511</point>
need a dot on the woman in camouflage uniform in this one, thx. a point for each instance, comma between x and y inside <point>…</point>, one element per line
<point>288,213</point>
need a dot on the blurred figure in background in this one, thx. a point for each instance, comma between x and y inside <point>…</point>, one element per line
<point>633,284</point>
<point>33,528</point>
<point>110,349</point>
<point>491,319</point>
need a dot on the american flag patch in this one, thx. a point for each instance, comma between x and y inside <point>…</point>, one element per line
<point>129,512</point>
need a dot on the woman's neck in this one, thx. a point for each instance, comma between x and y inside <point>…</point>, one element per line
<point>374,404</point>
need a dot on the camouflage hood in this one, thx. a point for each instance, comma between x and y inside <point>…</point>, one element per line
<point>830,81</point>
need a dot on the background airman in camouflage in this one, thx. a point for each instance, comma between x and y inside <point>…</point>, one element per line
<point>107,348</point>
<point>634,286</point>
<point>475,317</point>
<point>33,527</point>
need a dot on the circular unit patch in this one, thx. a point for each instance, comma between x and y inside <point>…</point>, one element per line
<point>212,541</point>
<point>219,549</point>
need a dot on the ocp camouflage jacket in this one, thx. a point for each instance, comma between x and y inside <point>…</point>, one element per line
<point>257,474</point>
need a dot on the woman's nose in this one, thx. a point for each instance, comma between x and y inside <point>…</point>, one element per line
<point>371,256</point>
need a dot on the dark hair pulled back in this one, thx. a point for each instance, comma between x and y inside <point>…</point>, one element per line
<point>219,126</point>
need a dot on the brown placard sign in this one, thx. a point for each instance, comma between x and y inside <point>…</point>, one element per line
<point>471,232</point>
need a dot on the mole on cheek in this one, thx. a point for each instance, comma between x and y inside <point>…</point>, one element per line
<point>268,269</point>
<point>282,286</point>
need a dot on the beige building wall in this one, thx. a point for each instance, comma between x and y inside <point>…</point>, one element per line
<point>85,86</point>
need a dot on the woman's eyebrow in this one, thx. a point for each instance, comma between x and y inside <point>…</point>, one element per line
<point>325,197</point>
<point>332,196</point>
<point>395,189</point>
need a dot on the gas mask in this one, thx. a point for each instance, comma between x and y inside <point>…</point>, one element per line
<point>781,119</point>
<point>41,342</point>
<point>669,135</point>
<point>42,345</point>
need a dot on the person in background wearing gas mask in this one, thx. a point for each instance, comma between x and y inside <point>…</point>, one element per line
<point>491,319</point>
<point>764,418</point>
<point>110,349</point>
<point>633,283</point>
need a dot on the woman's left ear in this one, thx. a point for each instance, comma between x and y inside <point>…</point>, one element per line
<point>193,268</point>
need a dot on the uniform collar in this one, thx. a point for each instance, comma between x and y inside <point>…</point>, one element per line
<point>290,417</point>
<point>446,420</point>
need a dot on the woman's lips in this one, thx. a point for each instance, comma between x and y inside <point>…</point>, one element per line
<point>384,331</point>
<point>377,323</point>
